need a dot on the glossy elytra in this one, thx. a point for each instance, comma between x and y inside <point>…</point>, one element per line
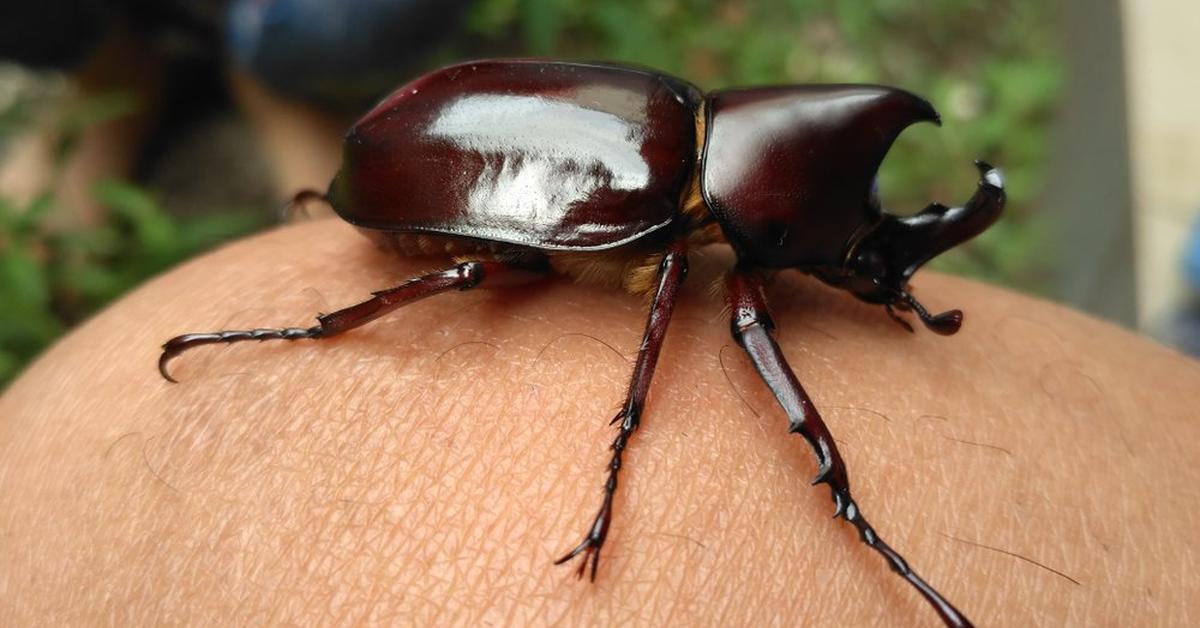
<point>529,168</point>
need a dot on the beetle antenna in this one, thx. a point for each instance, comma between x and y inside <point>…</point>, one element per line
<point>947,323</point>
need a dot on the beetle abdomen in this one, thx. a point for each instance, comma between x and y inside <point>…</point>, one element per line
<point>549,155</point>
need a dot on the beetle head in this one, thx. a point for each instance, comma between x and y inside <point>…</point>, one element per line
<point>884,258</point>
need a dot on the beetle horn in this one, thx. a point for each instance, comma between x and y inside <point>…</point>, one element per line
<point>919,238</point>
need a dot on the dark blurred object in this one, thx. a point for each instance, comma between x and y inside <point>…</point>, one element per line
<point>61,34</point>
<point>342,54</point>
<point>51,33</point>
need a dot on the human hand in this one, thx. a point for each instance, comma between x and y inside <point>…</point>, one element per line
<point>428,468</point>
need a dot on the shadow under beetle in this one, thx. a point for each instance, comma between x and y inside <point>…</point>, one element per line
<point>528,168</point>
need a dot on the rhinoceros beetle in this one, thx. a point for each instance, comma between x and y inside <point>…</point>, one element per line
<point>531,167</point>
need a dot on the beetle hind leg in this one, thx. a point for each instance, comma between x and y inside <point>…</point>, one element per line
<point>671,273</point>
<point>464,276</point>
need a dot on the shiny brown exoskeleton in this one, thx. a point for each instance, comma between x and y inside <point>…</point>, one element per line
<point>530,167</point>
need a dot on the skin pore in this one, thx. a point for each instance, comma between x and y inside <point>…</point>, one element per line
<point>1038,468</point>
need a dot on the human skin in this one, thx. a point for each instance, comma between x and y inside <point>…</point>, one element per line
<point>427,469</point>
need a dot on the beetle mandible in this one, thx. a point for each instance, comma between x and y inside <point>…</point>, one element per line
<point>528,168</point>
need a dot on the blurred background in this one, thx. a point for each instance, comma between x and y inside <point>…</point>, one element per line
<point>137,133</point>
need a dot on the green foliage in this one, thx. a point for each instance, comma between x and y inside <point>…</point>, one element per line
<point>990,67</point>
<point>53,275</point>
<point>88,112</point>
<point>24,289</point>
<point>50,278</point>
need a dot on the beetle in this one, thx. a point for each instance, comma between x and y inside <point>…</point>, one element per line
<point>527,168</point>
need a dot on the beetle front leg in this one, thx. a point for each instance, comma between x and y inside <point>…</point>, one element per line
<point>461,277</point>
<point>671,274</point>
<point>753,328</point>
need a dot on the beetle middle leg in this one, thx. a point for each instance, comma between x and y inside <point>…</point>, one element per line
<point>753,329</point>
<point>671,273</point>
<point>464,276</point>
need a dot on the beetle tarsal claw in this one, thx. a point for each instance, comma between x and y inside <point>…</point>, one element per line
<point>179,344</point>
<point>163,359</point>
<point>592,541</point>
<point>591,554</point>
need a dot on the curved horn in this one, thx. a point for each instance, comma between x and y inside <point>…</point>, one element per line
<point>921,237</point>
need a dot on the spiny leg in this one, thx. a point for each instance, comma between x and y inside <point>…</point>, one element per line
<point>671,273</point>
<point>752,327</point>
<point>461,277</point>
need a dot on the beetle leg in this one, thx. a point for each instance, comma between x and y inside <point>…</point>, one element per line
<point>297,206</point>
<point>896,317</point>
<point>671,273</point>
<point>752,328</point>
<point>461,277</point>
